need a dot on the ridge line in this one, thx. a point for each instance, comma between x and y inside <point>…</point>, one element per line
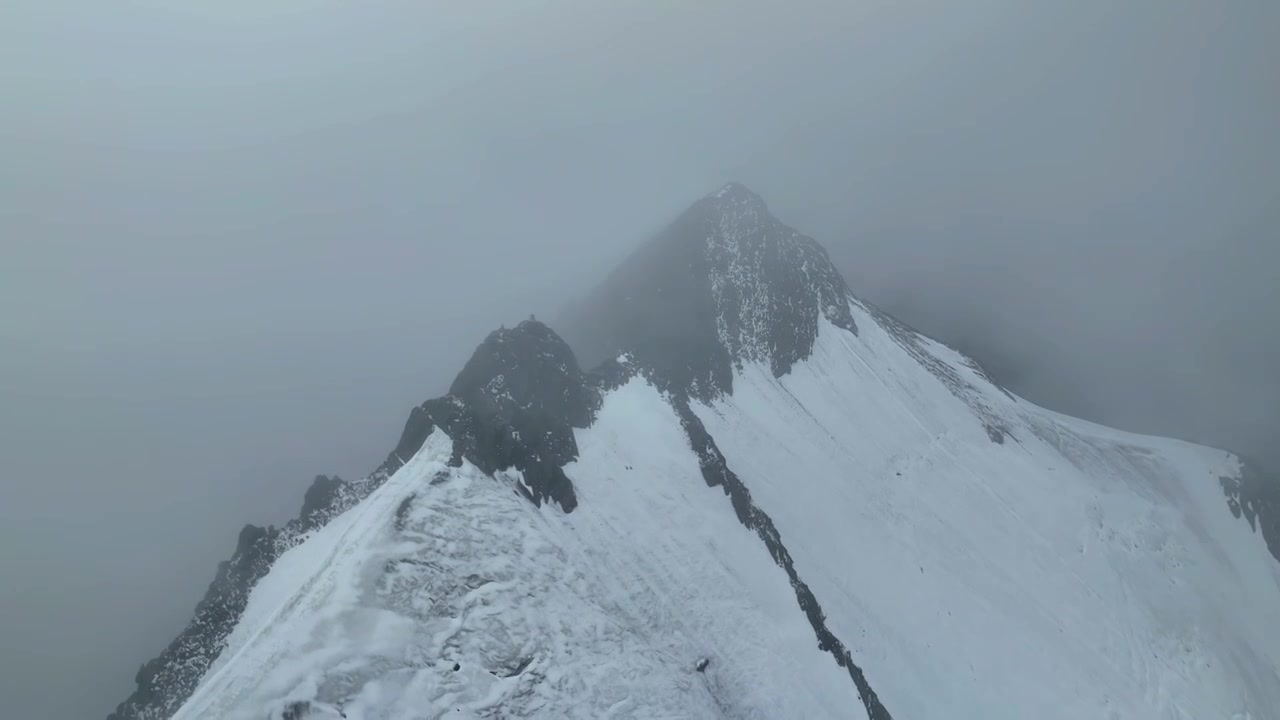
<point>716,472</point>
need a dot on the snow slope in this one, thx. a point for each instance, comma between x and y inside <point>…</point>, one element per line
<point>604,612</point>
<point>1072,571</point>
<point>775,502</point>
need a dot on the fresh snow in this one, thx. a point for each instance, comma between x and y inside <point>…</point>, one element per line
<point>605,612</point>
<point>1070,571</point>
<point>1073,571</point>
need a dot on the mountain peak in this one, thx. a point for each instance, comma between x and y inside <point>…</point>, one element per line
<point>738,194</point>
<point>724,284</point>
<point>524,369</point>
<point>441,584</point>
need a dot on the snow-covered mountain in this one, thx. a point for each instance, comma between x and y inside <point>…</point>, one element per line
<point>769,500</point>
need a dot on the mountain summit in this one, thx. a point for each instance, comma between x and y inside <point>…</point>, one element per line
<point>725,283</point>
<point>765,499</point>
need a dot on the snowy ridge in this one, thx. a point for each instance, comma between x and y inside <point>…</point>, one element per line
<point>960,375</point>
<point>770,500</point>
<point>494,429</point>
<point>480,604</point>
<point>717,473</point>
<point>1077,572</point>
<point>165,682</point>
<point>1098,574</point>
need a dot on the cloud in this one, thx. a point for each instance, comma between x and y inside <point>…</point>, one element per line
<point>242,239</point>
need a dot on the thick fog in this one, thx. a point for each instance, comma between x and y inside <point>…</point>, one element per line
<point>239,240</point>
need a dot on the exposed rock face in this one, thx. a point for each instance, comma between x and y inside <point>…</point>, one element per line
<point>166,681</point>
<point>513,406</point>
<point>726,283</point>
<point>1255,498</point>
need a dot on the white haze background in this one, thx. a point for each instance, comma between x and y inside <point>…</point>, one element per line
<point>239,240</point>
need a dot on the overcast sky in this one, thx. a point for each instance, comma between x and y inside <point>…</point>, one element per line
<point>240,239</point>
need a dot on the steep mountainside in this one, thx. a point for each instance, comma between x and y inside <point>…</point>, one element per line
<point>767,500</point>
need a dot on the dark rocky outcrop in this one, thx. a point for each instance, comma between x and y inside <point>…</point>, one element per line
<point>166,681</point>
<point>728,283</point>
<point>724,284</point>
<point>318,498</point>
<point>1254,496</point>
<point>516,403</point>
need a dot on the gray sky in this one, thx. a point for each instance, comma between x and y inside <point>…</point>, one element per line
<point>241,239</point>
